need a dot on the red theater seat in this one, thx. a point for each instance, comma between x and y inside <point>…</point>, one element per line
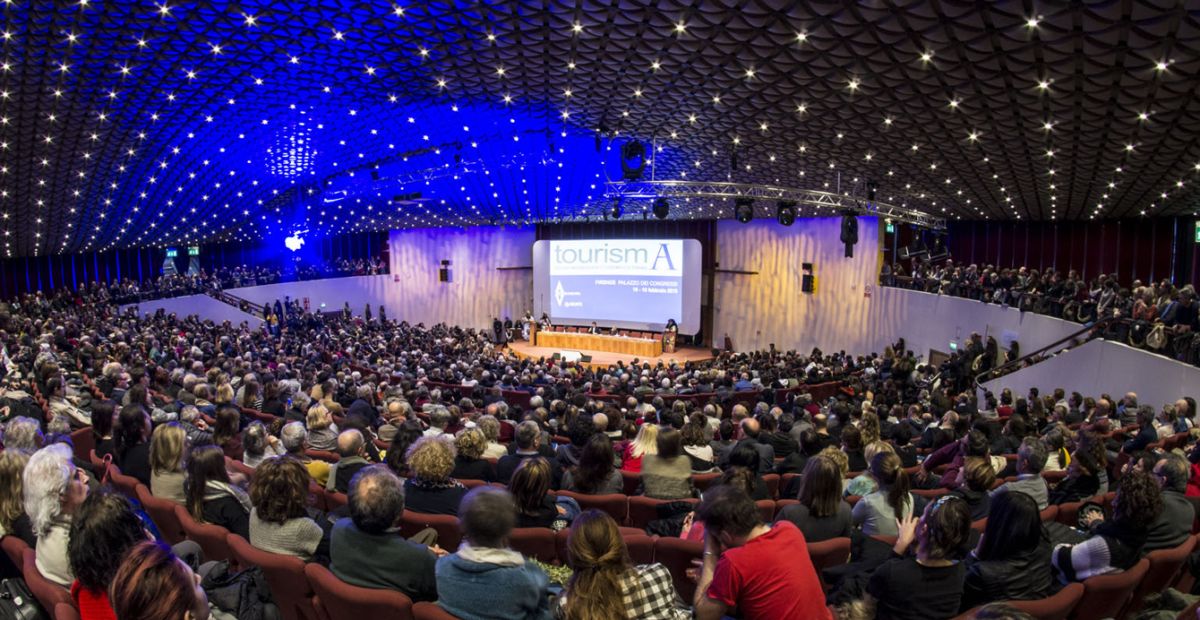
<point>615,504</point>
<point>162,512</point>
<point>446,525</point>
<point>535,542</point>
<point>211,538</point>
<point>285,576</point>
<point>1106,595</point>
<point>677,556</point>
<point>342,601</point>
<point>48,593</point>
<point>1165,564</point>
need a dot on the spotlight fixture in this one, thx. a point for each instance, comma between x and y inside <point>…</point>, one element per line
<point>617,209</point>
<point>662,208</point>
<point>785,212</point>
<point>633,160</point>
<point>743,209</point>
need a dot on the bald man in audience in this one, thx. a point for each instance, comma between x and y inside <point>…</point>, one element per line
<point>750,431</point>
<point>351,448</point>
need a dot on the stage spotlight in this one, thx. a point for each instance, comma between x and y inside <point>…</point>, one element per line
<point>849,232</point>
<point>662,208</point>
<point>633,160</point>
<point>743,209</point>
<point>617,209</point>
<point>785,212</point>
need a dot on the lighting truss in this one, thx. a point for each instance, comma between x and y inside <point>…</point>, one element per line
<point>630,191</point>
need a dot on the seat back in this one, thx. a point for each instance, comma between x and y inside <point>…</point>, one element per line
<point>431,611</point>
<point>342,601</point>
<point>285,576</point>
<point>615,504</point>
<point>64,611</point>
<point>1049,514</point>
<point>1056,607</point>
<point>84,443</point>
<point>534,542</point>
<point>772,482</point>
<point>643,510</point>
<point>677,555</point>
<point>1164,566</point>
<point>48,593</point>
<point>631,480</point>
<point>322,455</point>
<point>239,467</point>
<point>766,509</point>
<point>641,548</point>
<point>162,512</point>
<point>1104,596</point>
<point>15,548</point>
<point>1068,513</point>
<point>703,481</point>
<point>827,553</point>
<point>446,525</point>
<point>211,538</point>
<point>125,485</point>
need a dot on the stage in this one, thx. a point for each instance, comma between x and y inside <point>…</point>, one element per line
<point>603,359</point>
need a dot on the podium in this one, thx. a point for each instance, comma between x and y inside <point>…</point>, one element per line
<point>530,330</point>
<point>668,341</point>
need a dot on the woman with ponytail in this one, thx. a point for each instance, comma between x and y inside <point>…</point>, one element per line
<point>878,512</point>
<point>606,585</point>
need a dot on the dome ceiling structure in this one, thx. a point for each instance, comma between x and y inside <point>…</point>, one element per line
<point>130,123</point>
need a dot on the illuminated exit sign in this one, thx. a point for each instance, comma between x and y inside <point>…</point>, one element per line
<point>1198,231</point>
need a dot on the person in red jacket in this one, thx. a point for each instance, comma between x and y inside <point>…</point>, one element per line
<point>751,569</point>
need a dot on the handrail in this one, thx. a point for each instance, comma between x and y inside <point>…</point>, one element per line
<point>244,305</point>
<point>1004,369</point>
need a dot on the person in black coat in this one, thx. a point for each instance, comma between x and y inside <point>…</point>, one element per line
<point>131,439</point>
<point>467,464</point>
<point>212,497</point>
<point>1012,560</point>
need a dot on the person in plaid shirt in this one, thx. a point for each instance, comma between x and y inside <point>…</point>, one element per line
<point>606,585</point>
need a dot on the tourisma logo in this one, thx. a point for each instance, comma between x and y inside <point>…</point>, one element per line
<point>634,257</point>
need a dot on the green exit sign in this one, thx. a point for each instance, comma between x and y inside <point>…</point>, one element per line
<point>891,228</point>
<point>1198,232</point>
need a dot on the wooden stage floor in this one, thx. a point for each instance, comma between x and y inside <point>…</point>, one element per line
<point>604,359</point>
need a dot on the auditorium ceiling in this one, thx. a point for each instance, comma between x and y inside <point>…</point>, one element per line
<point>145,123</point>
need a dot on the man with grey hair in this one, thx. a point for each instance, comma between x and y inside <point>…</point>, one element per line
<point>1031,459</point>
<point>1174,523</point>
<point>294,438</point>
<point>351,448</point>
<point>364,404</point>
<point>395,413</point>
<point>366,548</point>
<point>528,441</point>
<point>439,419</point>
<point>23,435</point>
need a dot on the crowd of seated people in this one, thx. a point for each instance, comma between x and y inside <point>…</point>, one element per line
<point>943,495</point>
<point>1158,316</point>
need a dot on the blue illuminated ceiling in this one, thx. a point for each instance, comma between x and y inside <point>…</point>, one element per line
<point>133,123</point>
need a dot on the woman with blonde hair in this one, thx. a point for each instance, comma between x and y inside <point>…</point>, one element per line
<point>168,445</point>
<point>605,584</point>
<point>322,432</point>
<point>870,429</point>
<point>645,443</point>
<point>13,520</point>
<point>224,395</point>
<point>864,483</point>
<point>469,464</point>
<point>429,488</point>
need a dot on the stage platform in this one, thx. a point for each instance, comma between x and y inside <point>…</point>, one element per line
<point>604,359</point>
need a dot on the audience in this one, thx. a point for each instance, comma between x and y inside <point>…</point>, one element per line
<point>168,445</point>
<point>646,443</point>
<point>257,444</point>
<point>1174,524</point>
<point>1012,560</point>
<point>351,450</point>
<point>469,464</point>
<point>763,572</point>
<point>1114,545</point>
<point>975,480</point>
<point>485,579</point>
<point>430,489</point>
<point>822,513</point>
<point>605,584</point>
<point>103,531</point>
<point>1031,459</point>
<point>211,495</point>
<point>279,521</point>
<point>928,584</point>
<point>667,474</point>
<point>131,442</point>
<point>595,474</point>
<point>54,489</point>
<point>14,521</point>
<point>366,548</point>
<point>153,584</point>
<point>294,439</point>
<point>530,488</point>
<point>880,512</point>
